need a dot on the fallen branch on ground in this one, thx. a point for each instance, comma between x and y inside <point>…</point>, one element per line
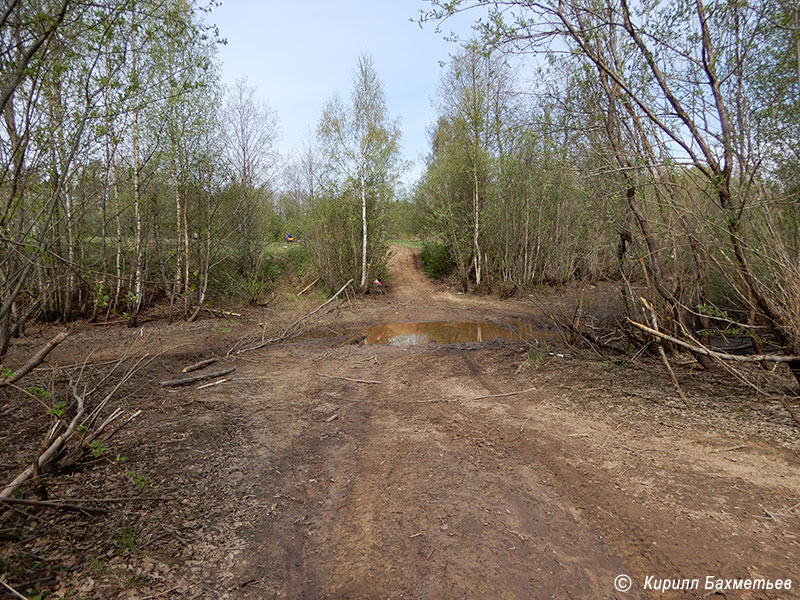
<point>663,354</point>
<point>348,378</point>
<point>213,383</point>
<point>731,449</point>
<point>750,358</point>
<point>59,505</point>
<point>87,425</point>
<point>121,499</point>
<point>35,360</point>
<point>194,378</point>
<point>289,331</point>
<point>13,592</point>
<point>221,313</point>
<point>301,292</point>
<point>213,311</point>
<point>789,409</point>
<point>503,395</point>
<point>51,451</point>
<point>199,365</point>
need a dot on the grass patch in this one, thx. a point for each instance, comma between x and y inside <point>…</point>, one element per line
<point>413,244</point>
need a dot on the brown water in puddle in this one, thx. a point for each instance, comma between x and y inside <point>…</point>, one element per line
<point>452,332</point>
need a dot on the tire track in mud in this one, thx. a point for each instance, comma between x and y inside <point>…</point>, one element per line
<point>417,508</point>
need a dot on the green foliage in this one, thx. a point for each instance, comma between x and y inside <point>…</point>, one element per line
<point>712,311</point>
<point>361,143</point>
<point>728,331</point>
<point>57,409</point>
<point>253,288</point>
<point>413,244</point>
<point>536,357</point>
<point>97,449</point>
<point>141,480</point>
<point>437,260</point>
<point>404,219</point>
<point>40,392</point>
<point>291,260</point>
<point>277,262</point>
<point>334,237</point>
<point>101,295</point>
<point>98,565</point>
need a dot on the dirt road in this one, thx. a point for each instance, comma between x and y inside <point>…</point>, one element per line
<point>349,471</point>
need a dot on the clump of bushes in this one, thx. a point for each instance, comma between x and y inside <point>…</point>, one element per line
<point>437,260</point>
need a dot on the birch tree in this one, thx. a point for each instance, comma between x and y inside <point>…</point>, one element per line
<point>681,86</point>
<point>251,130</point>
<point>362,143</point>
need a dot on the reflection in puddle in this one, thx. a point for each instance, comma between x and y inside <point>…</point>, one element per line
<point>452,332</point>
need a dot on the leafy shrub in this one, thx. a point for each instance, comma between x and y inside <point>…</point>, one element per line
<point>437,260</point>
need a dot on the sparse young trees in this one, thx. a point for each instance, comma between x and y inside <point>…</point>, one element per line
<point>689,97</point>
<point>503,188</point>
<point>101,102</point>
<point>361,142</point>
<point>251,130</point>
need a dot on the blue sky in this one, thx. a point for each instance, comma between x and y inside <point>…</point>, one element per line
<point>298,53</point>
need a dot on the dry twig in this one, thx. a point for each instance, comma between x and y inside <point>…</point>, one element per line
<point>663,354</point>
<point>13,592</point>
<point>199,365</point>
<point>35,360</point>
<point>50,452</point>
<point>59,505</point>
<point>290,330</point>
<point>699,349</point>
<point>212,384</point>
<point>348,378</point>
<point>301,292</point>
<point>193,378</point>
<point>530,389</point>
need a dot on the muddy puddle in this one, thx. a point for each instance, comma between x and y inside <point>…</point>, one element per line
<point>453,332</point>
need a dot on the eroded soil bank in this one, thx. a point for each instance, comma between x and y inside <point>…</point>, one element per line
<point>324,469</point>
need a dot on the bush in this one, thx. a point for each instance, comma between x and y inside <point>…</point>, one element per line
<point>334,234</point>
<point>284,261</point>
<point>437,260</point>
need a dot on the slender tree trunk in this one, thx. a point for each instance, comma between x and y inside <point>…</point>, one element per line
<point>118,249</point>
<point>176,286</point>
<point>526,272</point>
<point>207,261</point>
<point>137,216</point>
<point>66,307</point>
<point>363,223</point>
<point>475,231</point>
<point>186,255</point>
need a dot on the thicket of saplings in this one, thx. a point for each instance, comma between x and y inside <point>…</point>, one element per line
<point>663,156</point>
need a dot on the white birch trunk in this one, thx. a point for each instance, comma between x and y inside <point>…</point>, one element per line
<point>363,223</point>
